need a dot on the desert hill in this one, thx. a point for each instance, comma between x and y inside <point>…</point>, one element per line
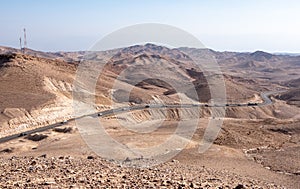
<point>46,81</point>
<point>292,96</point>
<point>293,83</point>
<point>34,91</point>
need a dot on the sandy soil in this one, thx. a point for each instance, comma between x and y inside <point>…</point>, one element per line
<point>69,161</point>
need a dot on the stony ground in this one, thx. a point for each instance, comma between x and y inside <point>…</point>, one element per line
<point>94,172</point>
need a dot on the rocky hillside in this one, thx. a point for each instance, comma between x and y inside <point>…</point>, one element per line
<point>34,91</point>
<point>175,66</point>
<point>93,172</point>
<point>292,96</point>
<point>36,87</point>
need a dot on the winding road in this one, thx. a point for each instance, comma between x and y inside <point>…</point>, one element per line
<point>264,96</point>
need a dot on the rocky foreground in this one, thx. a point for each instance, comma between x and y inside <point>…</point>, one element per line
<point>94,172</point>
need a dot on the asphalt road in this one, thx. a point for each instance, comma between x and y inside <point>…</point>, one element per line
<point>264,96</point>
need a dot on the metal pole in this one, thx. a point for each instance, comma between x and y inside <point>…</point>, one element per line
<point>25,40</point>
<point>20,39</point>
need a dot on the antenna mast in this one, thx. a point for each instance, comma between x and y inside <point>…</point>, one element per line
<point>20,39</point>
<point>25,40</point>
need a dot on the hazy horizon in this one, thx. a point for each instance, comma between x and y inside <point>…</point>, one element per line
<point>247,26</point>
<point>54,51</point>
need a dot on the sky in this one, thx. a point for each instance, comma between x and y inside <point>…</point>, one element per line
<point>223,25</point>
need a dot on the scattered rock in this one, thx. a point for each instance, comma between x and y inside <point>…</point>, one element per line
<point>43,156</point>
<point>76,172</point>
<point>36,137</point>
<point>239,186</point>
<point>63,130</point>
<point>127,159</point>
<point>7,150</point>
<point>297,173</point>
<point>49,181</point>
<point>90,157</point>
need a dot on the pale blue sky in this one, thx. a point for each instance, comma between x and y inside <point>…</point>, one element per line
<point>233,25</point>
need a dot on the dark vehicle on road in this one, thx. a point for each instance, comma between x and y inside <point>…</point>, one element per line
<point>22,134</point>
<point>64,121</point>
<point>252,104</point>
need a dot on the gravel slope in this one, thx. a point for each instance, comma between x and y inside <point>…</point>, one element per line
<point>91,172</point>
